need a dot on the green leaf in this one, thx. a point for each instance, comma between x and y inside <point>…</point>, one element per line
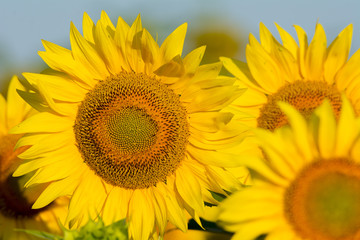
<point>217,196</point>
<point>40,234</point>
<point>90,231</point>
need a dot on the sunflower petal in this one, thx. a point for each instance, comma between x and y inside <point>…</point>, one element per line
<point>61,59</point>
<point>193,59</point>
<point>85,53</point>
<point>303,46</point>
<point>263,67</point>
<point>347,129</point>
<point>58,87</point>
<point>338,54</point>
<point>288,41</point>
<point>56,189</point>
<point>43,122</point>
<point>173,44</point>
<point>326,129</point>
<point>142,216</point>
<point>17,108</point>
<point>88,28</point>
<point>315,55</point>
<point>133,46</point>
<point>189,189</point>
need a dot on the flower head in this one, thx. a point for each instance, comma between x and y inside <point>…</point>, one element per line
<point>301,74</point>
<point>308,187</point>
<point>15,200</point>
<point>130,129</point>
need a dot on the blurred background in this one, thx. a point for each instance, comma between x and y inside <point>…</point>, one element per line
<point>222,25</point>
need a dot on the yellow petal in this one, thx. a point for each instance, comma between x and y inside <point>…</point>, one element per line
<point>299,126</point>
<point>160,210</point>
<point>284,232</point>
<point>193,59</point>
<point>65,154</point>
<point>338,54</point>
<point>315,55</point>
<point>117,199</point>
<point>59,87</point>
<point>252,229</point>
<point>349,72</point>
<point>250,98</point>
<point>173,44</point>
<point>133,46</point>
<point>48,100</point>
<point>263,67</point>
<point>326,129</point>
<point>88,28</point>
<point>106,44</point>
<point>174,68</point>
<point>43,122</point>
<point>17,108</point>
<point>288,41</point>
<point>141,219</point>
<point>274,148</point>
<point>303,46</point>
<point>224,179</point>
<point>63,187</point>
<point>241,71</point>
<point>208,71</point>
<point>53,172</point>
<point>86,203</point>
<point>214,158</point>
<point>61,59</point>
<point>189,189</point>
<point>347,129</point>
<point>266,38</point>
<point>122,29</point>
<point>149,50</point>
<point>210,121</point>
<point>286,61</point>
<point>250,208</point>
<point>214,99</point>
<point>175,213</point>
<point>45,144</point>
<point>85,53</point>
<point>106,21</point>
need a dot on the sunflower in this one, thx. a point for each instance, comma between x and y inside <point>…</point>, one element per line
<point>15,201</point>
<point>302,75</point>
<point>129,129</point>
<point>309,185</point>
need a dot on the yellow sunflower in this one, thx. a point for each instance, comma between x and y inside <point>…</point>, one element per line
<point>302,75</point>
<point>16,201</point>
<point>309,185</point>
<point>129,129</point>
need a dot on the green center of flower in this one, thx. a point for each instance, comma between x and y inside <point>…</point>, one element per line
<point>323,202</point>
<point>305,96</point>
<point>132,130</point>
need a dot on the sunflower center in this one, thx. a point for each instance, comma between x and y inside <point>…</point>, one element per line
<point>305,96</point>
<point>323,201</point>
<point>132,130</point>
<point>13,203</point>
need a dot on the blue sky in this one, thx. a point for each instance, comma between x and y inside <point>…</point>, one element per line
<point>23,23</point>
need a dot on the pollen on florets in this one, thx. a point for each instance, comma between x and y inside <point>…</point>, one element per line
<point>305,96</point>
<point>132,130</point>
